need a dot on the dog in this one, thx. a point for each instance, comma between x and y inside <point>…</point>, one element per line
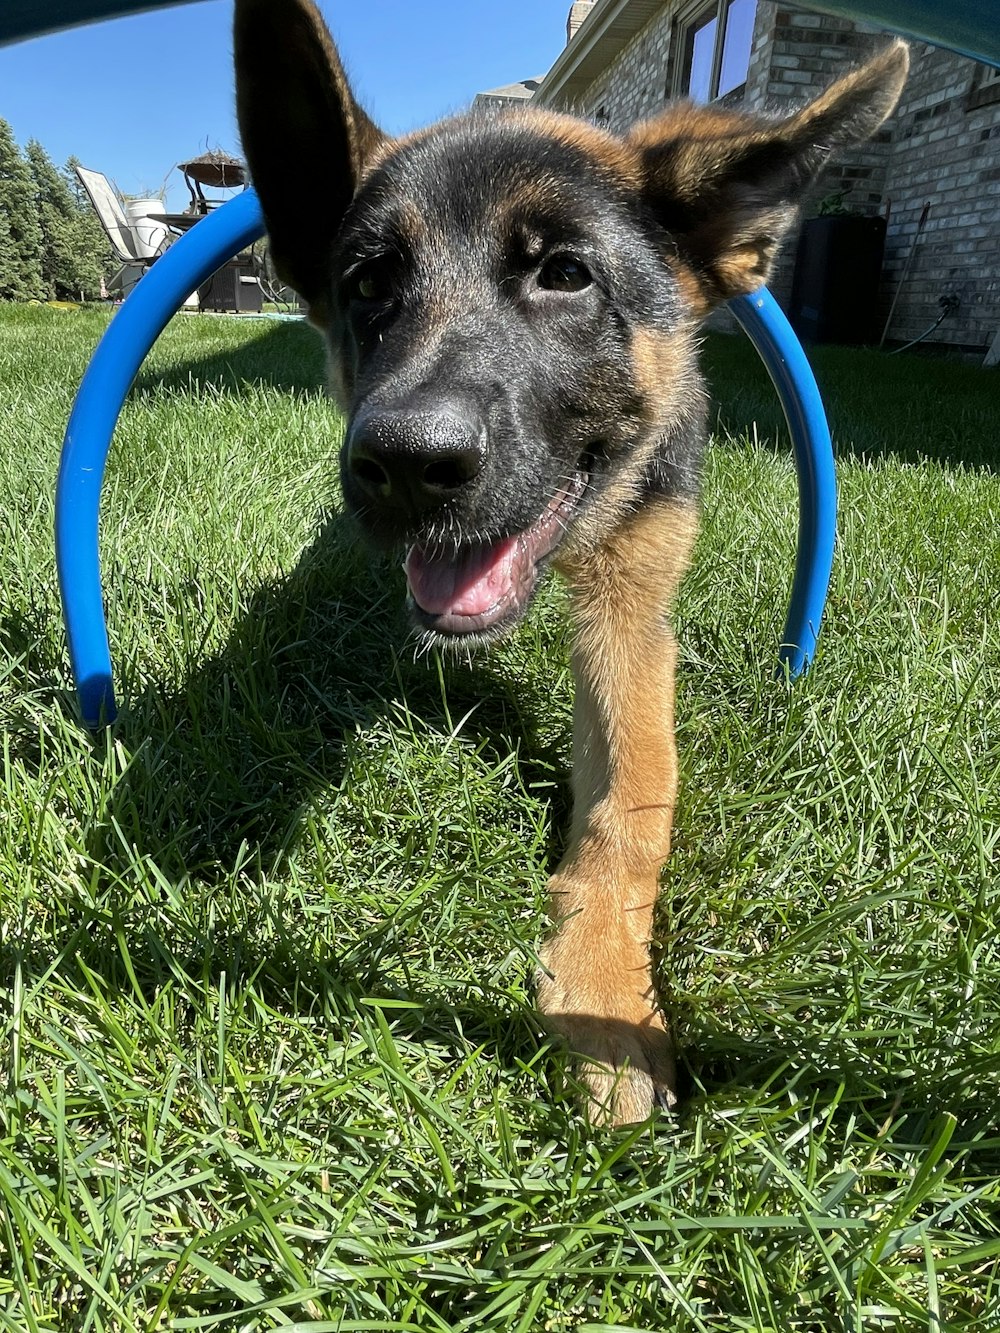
<point>510,302</point>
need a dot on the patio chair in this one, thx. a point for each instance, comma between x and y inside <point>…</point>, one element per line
<point>135,246</point>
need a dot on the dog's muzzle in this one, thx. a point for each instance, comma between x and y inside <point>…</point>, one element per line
<point>402,466</point>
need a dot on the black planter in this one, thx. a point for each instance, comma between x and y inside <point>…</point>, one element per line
<point>838,264</point>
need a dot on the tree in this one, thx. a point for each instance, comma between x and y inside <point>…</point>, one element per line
<point>57,215</point>
<point>74,249</point>
<point>20,260</point>
<point>8,251</point>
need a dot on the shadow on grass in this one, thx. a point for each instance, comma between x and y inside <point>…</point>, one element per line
<point>227,769</point>
<point>909,407</point>
<point>825,1071</point>
<point>286,355</point>
<point>227,763</point>
<point>225,766</point>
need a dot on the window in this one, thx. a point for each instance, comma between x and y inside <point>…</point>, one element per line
<point>716,49</point>
<point>699,56</point>
<point>985,90</point>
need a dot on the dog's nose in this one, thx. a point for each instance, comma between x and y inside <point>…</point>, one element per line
<point>413,460</point>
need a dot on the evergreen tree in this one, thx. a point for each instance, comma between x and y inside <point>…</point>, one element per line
<point>95,256</point>
<point>20,262</point>
<point>8,251</point>
<point>74,247</point>
<point>80,196</point>
<point>56,211</point>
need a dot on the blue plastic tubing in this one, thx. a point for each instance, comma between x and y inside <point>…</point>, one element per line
<point>762,320</point>
<point>189,262</point>
<point>113,367</point>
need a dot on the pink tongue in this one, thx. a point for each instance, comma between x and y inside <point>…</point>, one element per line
<point>468,584</point>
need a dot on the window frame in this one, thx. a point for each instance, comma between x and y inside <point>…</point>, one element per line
<point>985,90</point>
<point>689,19</point>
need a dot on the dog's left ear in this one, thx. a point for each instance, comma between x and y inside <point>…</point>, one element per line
<point>726,185</point>
<point>306,139</point>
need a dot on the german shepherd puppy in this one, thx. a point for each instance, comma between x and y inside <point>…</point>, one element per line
<point>510,303</point>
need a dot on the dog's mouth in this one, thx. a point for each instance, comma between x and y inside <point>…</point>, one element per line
<point>484,587</point>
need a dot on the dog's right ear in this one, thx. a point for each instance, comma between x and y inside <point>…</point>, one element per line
<point>307,142</point>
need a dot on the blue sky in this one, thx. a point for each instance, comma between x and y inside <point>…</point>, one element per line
<point>133,96</point>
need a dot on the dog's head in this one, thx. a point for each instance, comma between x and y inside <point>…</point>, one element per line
<point>509,299</point>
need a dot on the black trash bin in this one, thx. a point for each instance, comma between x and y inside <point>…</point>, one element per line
<point>838,265</point>
<point>233,287</point>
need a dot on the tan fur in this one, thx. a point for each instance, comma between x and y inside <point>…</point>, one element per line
<point>665,379</point>
<point>690,126</point>
<point>614,155</point>
<point>860,101</point>
<point>520,209</point>
<point>661,364</point>
<point>693,291</point>
<point>727,183</point>
<point>595,988</point>
<point>746,259</point>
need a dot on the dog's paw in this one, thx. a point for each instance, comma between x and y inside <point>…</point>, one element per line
<point>627,1069</point>
<point>624,1053</point>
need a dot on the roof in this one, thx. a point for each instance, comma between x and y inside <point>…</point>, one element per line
<point>521,90</point>
<point>606,30</point>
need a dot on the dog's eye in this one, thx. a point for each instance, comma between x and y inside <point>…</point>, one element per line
<point>564,273</point>
<point>370,284</point>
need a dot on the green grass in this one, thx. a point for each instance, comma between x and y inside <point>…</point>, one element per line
<point>267,1049</point>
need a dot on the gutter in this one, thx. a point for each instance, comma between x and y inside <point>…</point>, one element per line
<point>606,31</point>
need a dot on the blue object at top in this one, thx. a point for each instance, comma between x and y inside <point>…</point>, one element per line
<point>971,27</point>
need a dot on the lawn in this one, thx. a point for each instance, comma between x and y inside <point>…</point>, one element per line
<point>268,1053</point>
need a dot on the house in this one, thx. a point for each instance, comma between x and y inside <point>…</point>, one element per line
<point>937,158</point>
<point>511,94</point>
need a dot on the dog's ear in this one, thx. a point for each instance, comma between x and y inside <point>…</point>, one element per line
<point>306,140</point>
<point>726,184</point>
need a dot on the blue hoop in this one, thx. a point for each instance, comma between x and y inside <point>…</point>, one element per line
<point>762,319</point>
<point>188,263</point>
<point>113,367</point>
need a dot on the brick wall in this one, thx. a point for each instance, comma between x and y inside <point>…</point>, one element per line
<point>795,56</point>
<point>939,148</point>
<point>945,152</point>
<point>942,146</point>
<point>634,84</point>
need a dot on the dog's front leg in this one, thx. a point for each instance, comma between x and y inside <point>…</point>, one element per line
<point>595,986</point>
